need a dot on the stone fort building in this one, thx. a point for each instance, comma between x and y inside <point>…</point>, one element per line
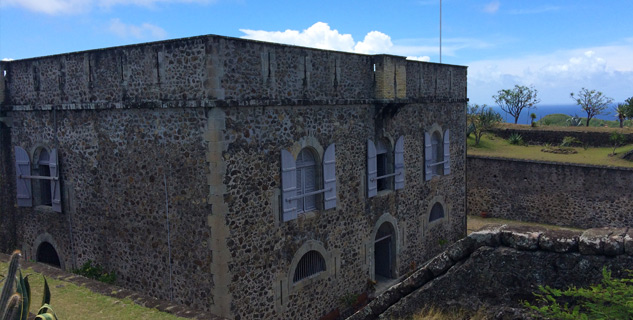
<point>250,179</point>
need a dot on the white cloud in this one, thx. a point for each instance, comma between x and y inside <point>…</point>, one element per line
<point>374,42</point>
<point>7,59</point>
<point>144,31</point>
<point>537,10</point>
<point>319,35</point>
<point>492,7</point>
<point>53,7</point>
<point>421,58</point>
<point>607,68</point>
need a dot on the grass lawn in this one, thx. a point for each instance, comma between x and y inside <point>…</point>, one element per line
<point>493,146</point>
<point>75,302</point>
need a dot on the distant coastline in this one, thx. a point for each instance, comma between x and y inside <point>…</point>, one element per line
<point>543,110</point>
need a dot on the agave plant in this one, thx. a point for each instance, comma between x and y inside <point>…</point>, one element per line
<point>575,121</point>
<point>15,299</point>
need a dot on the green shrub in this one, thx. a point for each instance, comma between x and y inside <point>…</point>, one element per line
<point>95,272</point>
<point>516,139</point>
<point>612,299</point>
<point>570,142</point>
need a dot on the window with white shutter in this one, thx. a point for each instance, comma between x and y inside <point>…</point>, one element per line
<point>23,185</point>
<point>399,164</point>
<point>300,182</point>
<point>55,184</point>
<point>447,153</point>
<point>329,177</point>
<point>372,184</point>
<point>288,186</point>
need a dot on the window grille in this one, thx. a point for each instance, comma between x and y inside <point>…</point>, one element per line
<point>310,264</point>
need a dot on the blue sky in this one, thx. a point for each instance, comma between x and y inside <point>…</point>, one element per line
<point>555,46</point>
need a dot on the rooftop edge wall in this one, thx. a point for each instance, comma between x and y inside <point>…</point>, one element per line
<point>209,71</point>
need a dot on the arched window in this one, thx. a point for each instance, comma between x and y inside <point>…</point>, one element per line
<point>306,180</point>
<point>437,153</point>
<point>311,263</point>
<point>384,164</point>
<point>437,149</point>
<point>43,187</point>
<point>437,212</point>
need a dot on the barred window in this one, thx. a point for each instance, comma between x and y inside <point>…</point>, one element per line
<point>310,264</point>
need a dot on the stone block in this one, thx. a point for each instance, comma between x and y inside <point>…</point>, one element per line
<point>419,278</point>
<point>628,242</point>
<point>384,301</point>
<point>461,249</point>
<point>487,237</point>
<point>592,240</point>
<point>560,241</point>
<point>614,244</point>
<point>521,238</point>
<point>440,264</point>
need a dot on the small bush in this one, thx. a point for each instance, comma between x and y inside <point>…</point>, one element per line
<point>612,299</point>
<point>570,142</point>
<point>516,139</point>
<point>95,272</point>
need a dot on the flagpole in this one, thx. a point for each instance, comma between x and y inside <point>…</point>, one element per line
<point>440,31</point>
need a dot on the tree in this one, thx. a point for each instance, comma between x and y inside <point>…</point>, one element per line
<point>617,139</point>
<point>532,118</point>
<point>628,108</point>
<point>513,101</point>
<point>482,119</point>
<point>620,113</point>
<point>591,101</point>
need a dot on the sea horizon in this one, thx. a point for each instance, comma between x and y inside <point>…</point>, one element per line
<point>546,109</point>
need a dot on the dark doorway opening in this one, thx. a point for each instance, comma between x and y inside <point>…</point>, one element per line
<point>384,252</point>
<point>46,254</point>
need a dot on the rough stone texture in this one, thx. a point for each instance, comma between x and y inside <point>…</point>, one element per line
<point>496,278</point>
<point>521,238</point>
<point>562,194</point>
<point>628,242</point>
<point>555,137</point>
<point>560,241</point>
<point>186,135</point>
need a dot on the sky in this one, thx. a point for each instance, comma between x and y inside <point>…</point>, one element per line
<point>557,47</point>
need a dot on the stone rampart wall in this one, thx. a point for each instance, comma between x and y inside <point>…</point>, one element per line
<point>563,194</point>
<point>212,70</point>
<point>555,137</point>
<point>496,268</point>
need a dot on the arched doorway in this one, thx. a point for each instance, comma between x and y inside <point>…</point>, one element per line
<point>385,252</point>
<point>46,253</point>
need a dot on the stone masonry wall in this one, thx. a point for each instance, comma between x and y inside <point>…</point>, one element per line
<point>493,270</point>
<point>555,137</point>
<point>172,149</point>
<point>563,194</point>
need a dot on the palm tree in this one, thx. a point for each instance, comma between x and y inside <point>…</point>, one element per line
<point>620,113</point>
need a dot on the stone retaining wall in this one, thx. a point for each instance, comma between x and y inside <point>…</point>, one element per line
<point>555,137</point>
<point>495,268</point>
<point>565,194</point>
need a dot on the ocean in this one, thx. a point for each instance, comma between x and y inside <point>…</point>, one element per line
<point>543,110</point>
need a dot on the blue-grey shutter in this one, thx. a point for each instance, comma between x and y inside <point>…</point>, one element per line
<point>372,170</point>
<point>399,163</point>
<point>329,177</point>
<point>288,186</point>
<point>56,194</point>
<point>447,153</point>
<point>23,185</point>
<point>428,156</point>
